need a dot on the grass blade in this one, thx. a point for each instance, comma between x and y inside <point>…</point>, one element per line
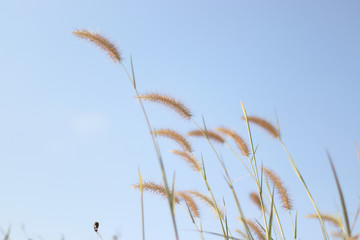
<point>271,214</point>
<point>343,206</point>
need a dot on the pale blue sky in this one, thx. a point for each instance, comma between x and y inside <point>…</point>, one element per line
<point>72,136</point>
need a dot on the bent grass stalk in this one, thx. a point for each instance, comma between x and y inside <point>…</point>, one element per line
<point>298,174</point>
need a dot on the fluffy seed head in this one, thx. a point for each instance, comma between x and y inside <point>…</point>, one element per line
<point>236,137</point>
<point>255,199</point>
<point>212,135</point>
<point>170,102</point>
<point>101,41</point>
<point>177,137</point>
<point>207,201</point>
<point>336,221</point>
<point>155,188</point>
<point>188,159</point>
<point>190,202</point>
<point>256,229</point>
<point>280,187</point>
<point>264,124</point>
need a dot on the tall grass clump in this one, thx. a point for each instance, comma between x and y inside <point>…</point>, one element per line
<point>267,184</point>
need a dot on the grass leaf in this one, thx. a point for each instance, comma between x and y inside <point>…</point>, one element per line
<point>343,206</point>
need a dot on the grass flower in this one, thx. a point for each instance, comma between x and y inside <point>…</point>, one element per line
<point>102,42</point>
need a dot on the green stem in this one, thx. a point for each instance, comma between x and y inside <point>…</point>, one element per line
<point>229,181</point>
<point>306,188</point>
<point>169,195</point>
<point>253,160</point>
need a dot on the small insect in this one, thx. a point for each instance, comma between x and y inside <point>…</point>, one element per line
<point>96,226</point>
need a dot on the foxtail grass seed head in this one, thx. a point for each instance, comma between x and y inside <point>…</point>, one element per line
<point>335,221</point>
<point>177,137</point>
<point>264,124</point>
<point>255,199</point>
<point>170,102</point>
<point>189,159</point>
<point>96,226</point>
<point>190,202</point>
<point>102,42</point>
<point>211,134</point>
<point>207,201</point>
<point>280,187</point>
<point>236,137</point>
<point>155,188</point>
<point>256,229</point>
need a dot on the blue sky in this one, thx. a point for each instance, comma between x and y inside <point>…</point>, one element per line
<point>72,136</point>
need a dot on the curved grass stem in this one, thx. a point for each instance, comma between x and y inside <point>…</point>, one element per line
<point>157,150</point>
<point>298,174</point>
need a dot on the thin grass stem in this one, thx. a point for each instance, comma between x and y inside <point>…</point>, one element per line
<point>326,236</point>
<point>159,157</point>
<point>249,236</point>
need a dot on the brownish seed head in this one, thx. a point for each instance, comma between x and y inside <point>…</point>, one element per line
<point>207,201</point>
<point>211,134</point>
<point>188,159</point>
<point>170,102</point>
<point>155,188</point>
<point>236,137</point>
<point>335,221</point>
<point>280,187</point>
<point>255,228</point>
<point>255,199</point>
<point>177,137</point>
<point>102,42</point>
<point>264,124</point>
<point>190,202</point>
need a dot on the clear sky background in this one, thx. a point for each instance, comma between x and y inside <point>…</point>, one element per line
<point>72,136</point>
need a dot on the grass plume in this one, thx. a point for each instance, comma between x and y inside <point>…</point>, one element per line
<point>190,202</point>
<point>280,187</point>
<point>170,102</point>
<point>156,189</point>
<point>188,159</point>
<point>255,228</point>
<point>264,124</point>
<point>177,137</point>
<point>102,42</point>
<point>206,200</point>
<point>335,221</point>
<point>236,137</point>
<point>211,134</point>
<point>255,199</point>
